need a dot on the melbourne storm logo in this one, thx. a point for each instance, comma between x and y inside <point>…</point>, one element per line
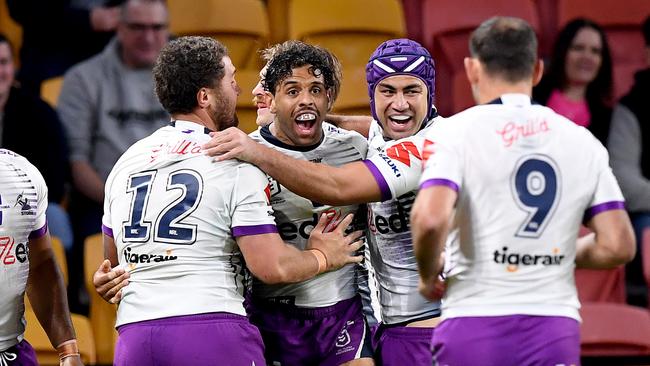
<point>23,202</point>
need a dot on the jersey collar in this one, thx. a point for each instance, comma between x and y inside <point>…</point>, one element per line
<point>515,99</point>
<point>267,135</point>
<point>189,127</point>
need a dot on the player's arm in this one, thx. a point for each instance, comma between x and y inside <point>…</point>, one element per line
<point>46,292</point>
<point>430,221</point>
<point>611,244</point>
<point>108,280</point>
<point>360,124</point>
<point>273,261</point>
<point>348,184</point>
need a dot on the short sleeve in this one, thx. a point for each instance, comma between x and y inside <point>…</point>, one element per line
<point>443,157</point>
<point>40,223</point>
<point>252,214</point>
<point>397,167</point>
<point>607,194</point>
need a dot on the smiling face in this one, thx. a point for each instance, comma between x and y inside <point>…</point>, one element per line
<point>584,57</point>
<point>262,100</point>
<point>300,104</point>
<point>401,105</point>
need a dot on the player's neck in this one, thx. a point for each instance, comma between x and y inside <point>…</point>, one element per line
<point>196,118</point>
<point>494,88</point>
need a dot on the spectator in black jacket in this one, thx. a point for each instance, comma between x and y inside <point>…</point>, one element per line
<point>60,33</point>
<point>31,128</point>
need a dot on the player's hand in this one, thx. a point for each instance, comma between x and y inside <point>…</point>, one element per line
<point>71,361</point>
<point>231,143</point>
<point>433,288</point>
<point>339,249</point>
<point>109,282</point>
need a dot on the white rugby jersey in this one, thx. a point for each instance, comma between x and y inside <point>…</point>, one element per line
<point>23,201</point>
<point>526,178</point>
<point>396,166</point>
<point>296,217</point>
<point>173,213</point>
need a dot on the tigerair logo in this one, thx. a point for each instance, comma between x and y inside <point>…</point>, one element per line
<point>514,260</point>
<point>134,258</point>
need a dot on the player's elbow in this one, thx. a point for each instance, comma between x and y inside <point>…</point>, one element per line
<point>622,246</point>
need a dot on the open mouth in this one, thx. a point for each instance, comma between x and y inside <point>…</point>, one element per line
<point>305,122</point>
<point>400,121</point>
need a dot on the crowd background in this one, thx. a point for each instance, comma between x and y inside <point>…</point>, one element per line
<point>84,57</point>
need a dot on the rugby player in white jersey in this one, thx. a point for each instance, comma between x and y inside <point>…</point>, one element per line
<point>27,264</point>
<point>400,77</point>
<point>512,181</point>
<point>188,229</point>
<point>319,321</point>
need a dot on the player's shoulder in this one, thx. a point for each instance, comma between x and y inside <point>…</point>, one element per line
<point>339,135</point>
<point>8,157</point>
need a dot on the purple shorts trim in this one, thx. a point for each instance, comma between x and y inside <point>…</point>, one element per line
<point>327,336</point>
<point>107,230</point>
<point>401,345</point>
<point>22,354</point>
<point>606,206</point>
<point>379,178</point>
<point>439,182</point>
<point>201,339</point>
<point>254,230</point>
<point>38,232</point>
<point>516,340</point>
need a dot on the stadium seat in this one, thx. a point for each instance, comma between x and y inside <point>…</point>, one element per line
<point>351,30</point>
<point>12,30</point>
<point>50,90</point>
<point>102,314</point>
<point>413,18</point>
<point>621,21</point>
<point>46,354</point>
<point>614,330</point>
<point>278,11</point>
<point>447,25</point>
<point>243,28</point>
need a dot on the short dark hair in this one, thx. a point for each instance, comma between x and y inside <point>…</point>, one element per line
<point>506,46</point>
<point>646,30</point>
<point>294,54</point>
<point>184,66</point>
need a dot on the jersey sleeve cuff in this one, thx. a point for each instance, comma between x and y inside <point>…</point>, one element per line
<point>381,182</point>
<point>38,232</point>
<point>107,230</point>
<point>439,182</point>
<point>602,207</point>
<point>254,230</point>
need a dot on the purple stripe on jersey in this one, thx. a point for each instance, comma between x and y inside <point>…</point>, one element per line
<point>39,232</point>
<point>379,178</point>
<point>254,230</point>
<point>602,207</point>
<point>439,182</point>
<point>107,230</point>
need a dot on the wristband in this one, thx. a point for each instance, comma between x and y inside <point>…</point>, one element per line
<point>321,258</point>
<point>67,349</point>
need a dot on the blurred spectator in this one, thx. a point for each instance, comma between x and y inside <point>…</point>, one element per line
<point>578,84</point>
<point>31,128</point>
<point>106,104</point>
<point>629,146</point>
<point>60,33</point>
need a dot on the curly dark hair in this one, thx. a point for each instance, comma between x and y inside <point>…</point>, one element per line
<point>184,66</point>
<point>293,54</point>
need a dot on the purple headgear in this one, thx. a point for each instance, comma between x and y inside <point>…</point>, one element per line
<point>401,57</point>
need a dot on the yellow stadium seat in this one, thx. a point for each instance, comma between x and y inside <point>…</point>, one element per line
<point>351,30</point>
<point>102,314</point>
<point>46,354</point>
<point>278,11</point>
<point>50,90</point>
<point>243,28</point>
